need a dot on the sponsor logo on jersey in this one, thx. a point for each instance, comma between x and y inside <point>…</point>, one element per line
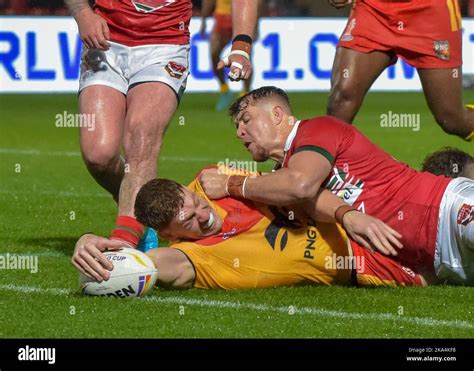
<point>281,223</point>
<point>345,186</point>
<point>150,6</point>
<point>441,47</point>
<point>229,234</point>
<point>175,70</point>
<point>271,234</point>
<point>465,214</point>
<point>311,236</point>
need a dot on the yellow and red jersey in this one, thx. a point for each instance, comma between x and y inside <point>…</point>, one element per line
<point>258,247</point>
<point>223,18</point>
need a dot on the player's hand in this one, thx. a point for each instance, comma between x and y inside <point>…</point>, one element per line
<point>93,29</point>
<point>338,4</point>
<point>240,66</point>
<point>214,183</point>
<point>89,259</point>
<point>372,233</point>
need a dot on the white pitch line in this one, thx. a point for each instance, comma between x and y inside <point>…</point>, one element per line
<point>54,193</point>
<point>36,290</point>
<point>46,254</point>
<point>318,312</point>
<point>37,152</point>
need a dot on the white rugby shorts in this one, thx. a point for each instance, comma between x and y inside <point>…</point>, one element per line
<point>123,66</point>
<point>454,252</point>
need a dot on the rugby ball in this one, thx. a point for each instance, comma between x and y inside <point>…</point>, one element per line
<point>134,275</point>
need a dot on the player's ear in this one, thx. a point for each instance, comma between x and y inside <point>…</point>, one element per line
<point>278,114</point>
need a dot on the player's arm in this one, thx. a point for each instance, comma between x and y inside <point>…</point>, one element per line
<point>93,29</point>
<point>208,7</point>
<point>175,271</point>
<point>244,23</point>
<point>244,17</point>
<point>370,232</point>
<point>299,184</point>
<point>299,181</point>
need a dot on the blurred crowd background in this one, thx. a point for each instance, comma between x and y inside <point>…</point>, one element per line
<point>273,8</point>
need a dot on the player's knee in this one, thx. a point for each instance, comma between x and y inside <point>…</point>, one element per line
<point>100,160</point>
<point>143,138</point>
<point>341,98</point>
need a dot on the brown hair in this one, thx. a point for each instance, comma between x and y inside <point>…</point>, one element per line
<point>158,202</point>
<point>447,161</point>
<point>255,95</point>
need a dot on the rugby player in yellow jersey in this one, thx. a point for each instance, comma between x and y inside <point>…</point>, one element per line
<point>221,35</point>
<point>235,244</point>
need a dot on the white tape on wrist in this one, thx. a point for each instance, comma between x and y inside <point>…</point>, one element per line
<point>243,187</point>
<point>240,52</point>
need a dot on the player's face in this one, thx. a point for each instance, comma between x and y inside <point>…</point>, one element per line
<point>256,131</point>
<point>195,220</point>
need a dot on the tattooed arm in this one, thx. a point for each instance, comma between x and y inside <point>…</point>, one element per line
<point>93,29</point>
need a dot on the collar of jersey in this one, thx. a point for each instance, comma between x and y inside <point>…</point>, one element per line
<point>291,136</point>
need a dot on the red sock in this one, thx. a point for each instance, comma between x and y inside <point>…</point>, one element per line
<point>128,229</point>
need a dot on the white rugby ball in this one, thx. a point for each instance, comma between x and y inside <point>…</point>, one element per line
<point>134,275</point>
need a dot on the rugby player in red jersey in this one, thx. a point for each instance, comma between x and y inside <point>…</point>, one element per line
<point>133,72</point>
<point>434,214</point>
<point>425,33</point>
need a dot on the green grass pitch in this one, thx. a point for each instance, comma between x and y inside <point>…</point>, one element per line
<point>47,199</point>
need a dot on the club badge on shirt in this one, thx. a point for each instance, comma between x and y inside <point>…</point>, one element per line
<point>466,214</point>
<point>150,6</point>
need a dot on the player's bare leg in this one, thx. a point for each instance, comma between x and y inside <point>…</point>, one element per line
<point>353,74</point>
<point>443,92</point>
<point>218,43</point>
<point>101,147</point>
<point>150,107</point>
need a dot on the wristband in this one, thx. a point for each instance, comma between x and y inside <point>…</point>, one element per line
<point>341,211</point>
<point>243,38</point>
<point>243,187</point>
<point>235,184</point>
<point>240,45</point>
